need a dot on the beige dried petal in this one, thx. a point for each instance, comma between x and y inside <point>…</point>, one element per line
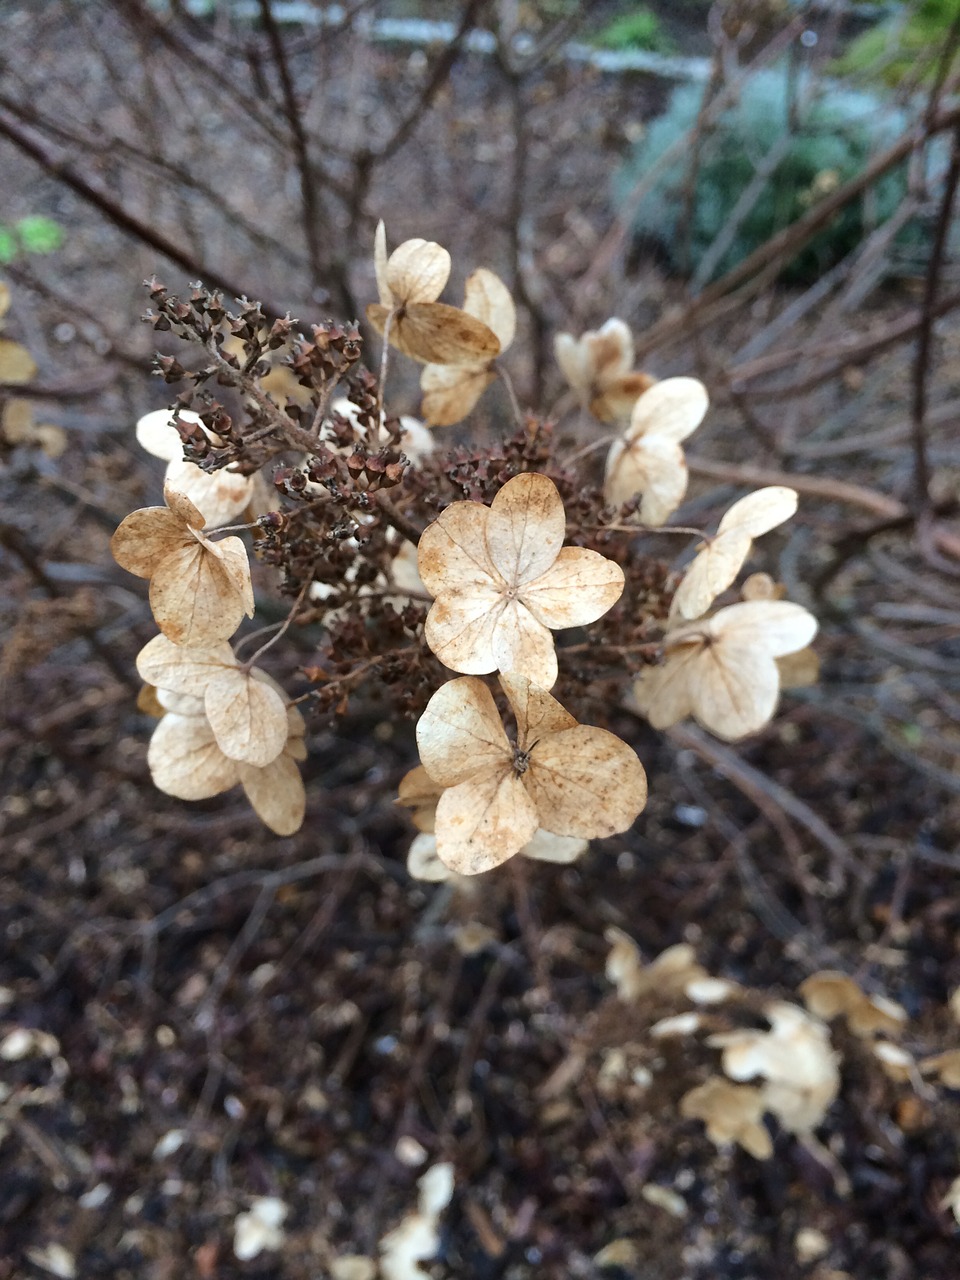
<point>585,782</point>
<point>461,630</point>
<point>537,712</point>
<point>670,410</point>
<point>664,694</point>
<point>573,362</point>
<point>146,537</point>
<point>774,627</point>
<point>184,704</point>
<point>451,391</point>
<point>435,333</point>
<point>248,717</point>
<point>220,496</point>
<point>200,593</point>
<point>417,271</point>
<point>17,365</point>
<point>732,1113</point>
<point>158,436</point>
<point>761,511</point>
<point>577,589</point>
<point>423,861</point>
<point>460,734</point>
<point>488,299</point>
<point>453,549</point>
<point>524,645</point>
<point>946,1066</point>
<point>652,467</point>
<point>799,670</point>
<point>185,760</point>
<point>168,666</point>
<point>547,847</point>
<point>525,528</point>
<point>276,793</point>
<point>419,792</point>
<point>484,821</point>
<point>760,586</point>
<point>616,401</point>
<point>733,690</point>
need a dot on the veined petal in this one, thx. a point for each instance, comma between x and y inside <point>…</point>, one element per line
<point>193,598</point>
<point>585,782</point>
<point>711,571</point>
<point>460,734</point>
<point>452,553</point>
<point>489,299</point>
<point>219,496</point>
<point>777,627</point>
<point>526,527</point>
<point>671,409</point>
<point>170,666</point>
<point>524,646</point>
<point>186,762</point>
<point>537,712</point>
<point>450,391</point>
<point>276,793</point>
<point>665,695</point>
<point>146,537</point>
<point>417,271</point>
<point>652,467</point>
<point>578,588</point>
<point>247,715</point>
<point>461,629</point>
<point>760,511</point>
<point>484,821</point>
<point>733,689</point>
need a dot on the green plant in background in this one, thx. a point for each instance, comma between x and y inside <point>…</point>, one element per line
<point>905,46</point>
<point>33,234</point>
<point>639,28</point>
<point>837,133</point>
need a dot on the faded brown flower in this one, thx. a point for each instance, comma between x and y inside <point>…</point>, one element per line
<point>599,367</point>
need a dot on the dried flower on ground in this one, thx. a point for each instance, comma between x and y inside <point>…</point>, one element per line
<point>409,283</point>
<point>220,495</point>
<point>569,779</point>
<point>673,972</point>
<point>721,558</point>
<point>186,761</point>
<point>795,1060</point>
<point>722,670</point>
<point>246,710</point>
<point>199,590</point>
<point>451,391</point>
<point>829,994</point>
<point>417,1238</point>
<point>599,367</point>
<point>503,580</point>
<point>732,1113</point>
<point>647,458</point>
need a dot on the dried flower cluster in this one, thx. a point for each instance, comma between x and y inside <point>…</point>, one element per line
<point>416,571</point>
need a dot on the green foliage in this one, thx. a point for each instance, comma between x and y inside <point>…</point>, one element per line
<point>905,46</point>
<point>837,134</point>
<point>640,28</point>
<point>33,234</point>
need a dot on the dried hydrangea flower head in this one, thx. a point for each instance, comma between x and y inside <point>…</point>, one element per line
<point>599,367</point>
<point>567,778</point>
<point>246,711</point>
<point>220,495</point>
<point>186,761</point>
<point>419,792</point>
<point>647,458</point>
<point>720,559</point>
<point>409,283</point>
<point>723,670</point>
<point>450,392</point>
<point>794,1059</point>
<point>199,590</point>
<point>503,580</point>
<point>732,1113</point>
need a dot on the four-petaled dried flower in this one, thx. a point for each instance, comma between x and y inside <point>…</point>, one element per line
<point>221,495</point>
<point>599,368</point>
<point>722,670</point>
<point>721,558</point>
<point>247,713</point>
<point>419,792</point>
<point>199,590</point>
<point>569,779</point>
<point>647,458</point>
<point>503,580</point>
<point>186,761</point>
<point>409,283</point>
<point>451,391</point>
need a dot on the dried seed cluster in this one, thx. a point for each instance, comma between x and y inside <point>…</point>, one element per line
<point>406,565</point>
